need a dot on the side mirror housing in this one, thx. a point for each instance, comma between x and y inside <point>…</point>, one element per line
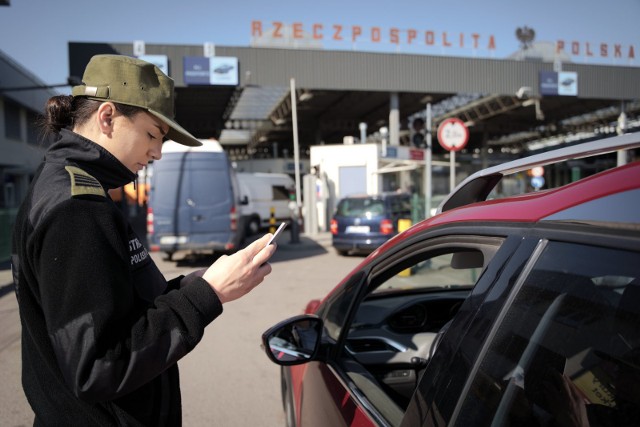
<point>293,341</point>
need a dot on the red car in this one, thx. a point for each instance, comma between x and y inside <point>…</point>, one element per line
<point>522,311</point>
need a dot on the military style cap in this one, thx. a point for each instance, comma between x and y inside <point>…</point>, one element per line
<point>131,81</point>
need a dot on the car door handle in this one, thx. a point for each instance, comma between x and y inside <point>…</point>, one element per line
<point>197,218</point>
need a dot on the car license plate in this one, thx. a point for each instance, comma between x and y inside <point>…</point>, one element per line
<point>357,229</point>
<point>172,240</point>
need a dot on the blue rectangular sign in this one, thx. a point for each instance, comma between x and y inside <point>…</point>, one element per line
<point>196,70</point>
<point>548,83</point>
<point>559,83</point>
<point>392,152</point>
<point>216,70</point>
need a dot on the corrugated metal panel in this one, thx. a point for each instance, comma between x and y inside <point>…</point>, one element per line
<point>346,70</point>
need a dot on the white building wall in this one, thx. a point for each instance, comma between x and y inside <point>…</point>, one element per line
<point>331,158</point>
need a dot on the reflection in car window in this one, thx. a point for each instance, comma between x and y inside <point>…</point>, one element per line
<point>436,272</point>
<point>569,345</point>
<point>337,307</point>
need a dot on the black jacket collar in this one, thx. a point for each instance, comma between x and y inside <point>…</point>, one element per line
<point>76,150</point>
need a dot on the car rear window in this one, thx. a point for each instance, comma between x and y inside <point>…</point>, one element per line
<point>361,207</point>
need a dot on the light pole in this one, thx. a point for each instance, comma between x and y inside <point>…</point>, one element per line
<point>296,154</point>
<point>427,164</point>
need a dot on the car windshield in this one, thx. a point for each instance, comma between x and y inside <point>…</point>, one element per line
<point>365,207</point>
<point>438,272</point>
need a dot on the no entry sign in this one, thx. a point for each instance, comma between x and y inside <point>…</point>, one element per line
<point>453,135</point>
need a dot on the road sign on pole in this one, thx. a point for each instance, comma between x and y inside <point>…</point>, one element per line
<point>453,135</point>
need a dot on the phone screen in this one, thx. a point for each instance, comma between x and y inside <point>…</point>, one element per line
<point>277,233</point>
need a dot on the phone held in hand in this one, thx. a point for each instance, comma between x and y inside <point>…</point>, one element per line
<point>276,234</point>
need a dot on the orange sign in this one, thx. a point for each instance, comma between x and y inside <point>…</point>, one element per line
<point>375,34</point>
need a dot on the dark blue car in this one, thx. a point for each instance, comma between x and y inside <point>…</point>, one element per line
<point>362,223</point>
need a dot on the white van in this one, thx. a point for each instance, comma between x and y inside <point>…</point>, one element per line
<point>259,194</point>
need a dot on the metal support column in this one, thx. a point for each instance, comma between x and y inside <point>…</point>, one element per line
<point>394,119</point>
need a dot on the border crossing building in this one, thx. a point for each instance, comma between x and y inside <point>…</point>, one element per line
<point>276,104</point>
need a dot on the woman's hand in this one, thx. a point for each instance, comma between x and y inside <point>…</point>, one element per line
<point>233,276</point>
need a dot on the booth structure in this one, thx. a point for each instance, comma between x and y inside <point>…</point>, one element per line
<point>369,168</point>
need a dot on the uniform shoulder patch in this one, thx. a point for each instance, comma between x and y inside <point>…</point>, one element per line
<point>82,183</point>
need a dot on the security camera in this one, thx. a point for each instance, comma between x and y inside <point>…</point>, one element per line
<point>524,92</point>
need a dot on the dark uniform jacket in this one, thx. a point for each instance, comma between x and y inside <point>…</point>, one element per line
<point>102,329</point>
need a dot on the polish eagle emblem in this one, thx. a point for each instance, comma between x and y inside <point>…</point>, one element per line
<point>526,36</point>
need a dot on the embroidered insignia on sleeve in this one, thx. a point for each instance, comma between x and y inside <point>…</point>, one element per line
<point>82,183</point>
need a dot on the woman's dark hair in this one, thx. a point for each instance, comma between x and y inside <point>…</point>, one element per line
<point>66,111</point>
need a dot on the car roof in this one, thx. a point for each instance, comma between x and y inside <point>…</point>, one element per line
<point>612,196</point>
<point>478,186</point>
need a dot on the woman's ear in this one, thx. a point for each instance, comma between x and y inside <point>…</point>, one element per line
<point>106,111</point>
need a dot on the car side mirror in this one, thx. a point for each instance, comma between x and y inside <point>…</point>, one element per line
<point>293,341</point>
<point>244,200</point>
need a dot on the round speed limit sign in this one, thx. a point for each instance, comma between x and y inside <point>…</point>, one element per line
<point>453,135</point>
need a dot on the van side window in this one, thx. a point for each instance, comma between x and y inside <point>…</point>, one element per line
<point>569,344</point>
<point>280,192</point>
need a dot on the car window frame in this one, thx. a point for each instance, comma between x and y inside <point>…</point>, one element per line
<point>514,294</point>
<point>436,380</point>
<point>430,243</point>
<point>432,393</point>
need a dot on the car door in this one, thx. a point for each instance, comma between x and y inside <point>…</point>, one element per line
<point>555,340</point>
<point>373,352</point>
<point>320,395</point>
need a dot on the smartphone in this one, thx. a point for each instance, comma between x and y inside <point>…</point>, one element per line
<point>277,233</point>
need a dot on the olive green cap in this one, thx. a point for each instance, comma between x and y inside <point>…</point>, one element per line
<point>131,81</point>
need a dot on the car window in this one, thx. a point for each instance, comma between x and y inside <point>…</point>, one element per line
<point>393,330</point>
<point>400,206</point>
<point>437,272</point>
<point>567,346</point>
<point>363,207</point>
<point>280,192</point>
<point>336,309</point>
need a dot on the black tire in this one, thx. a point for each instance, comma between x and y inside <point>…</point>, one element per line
<point>342,253</point>
<point>169,256</point>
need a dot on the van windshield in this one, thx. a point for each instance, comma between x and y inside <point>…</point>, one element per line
<point>360,207</point>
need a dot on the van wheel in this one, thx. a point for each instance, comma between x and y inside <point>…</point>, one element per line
<point>169,256</point>
<point>253,226</point>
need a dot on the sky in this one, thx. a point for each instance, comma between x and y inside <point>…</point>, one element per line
<point>36,33</point>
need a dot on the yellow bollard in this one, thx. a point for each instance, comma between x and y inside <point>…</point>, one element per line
<point>404,224</point>
<point>272,220</point>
